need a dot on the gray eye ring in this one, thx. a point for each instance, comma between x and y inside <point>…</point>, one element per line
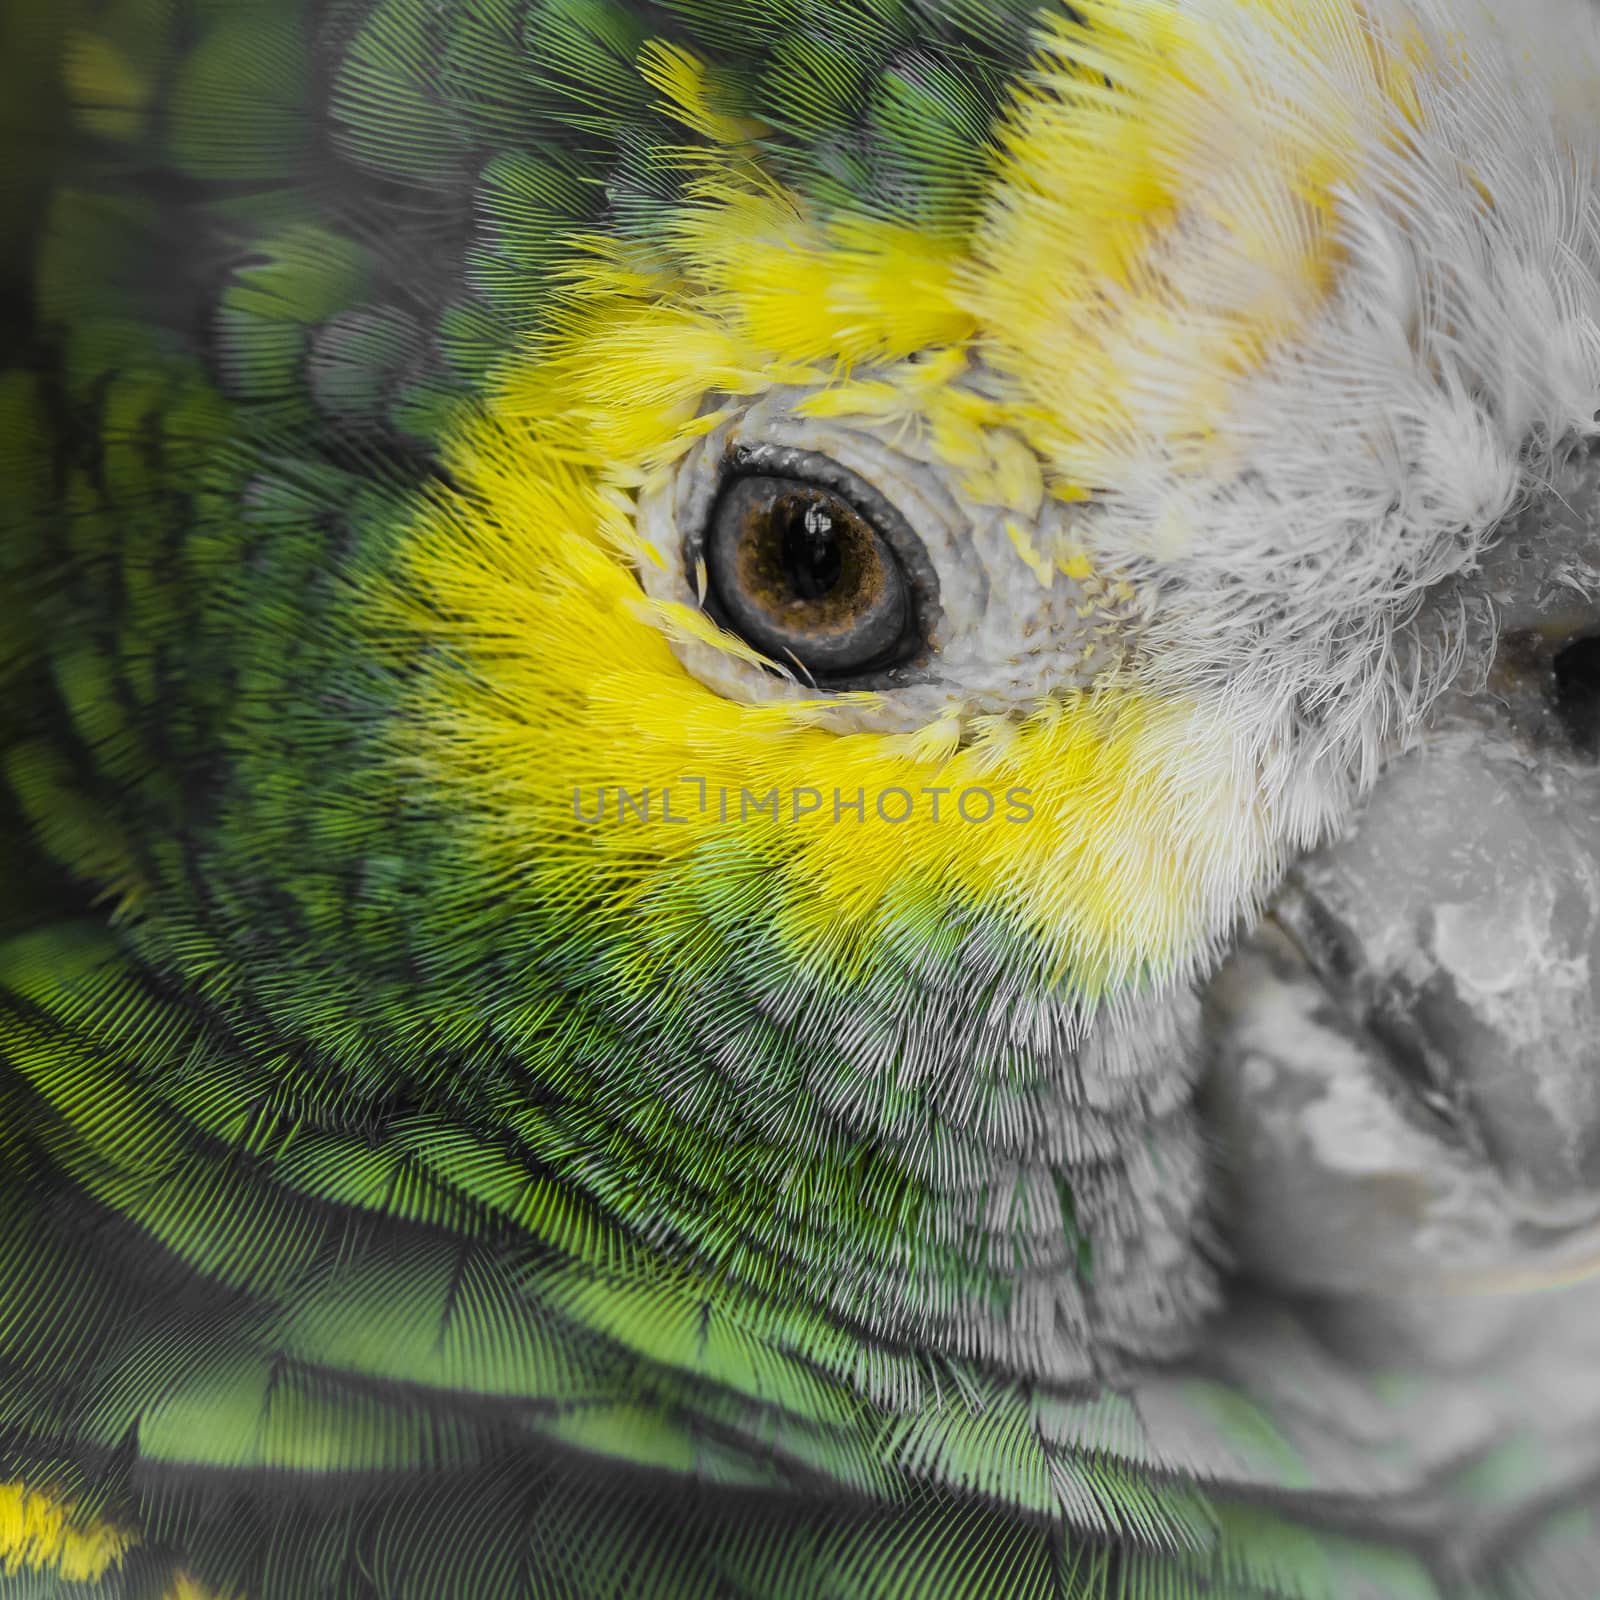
<point>887,636</point>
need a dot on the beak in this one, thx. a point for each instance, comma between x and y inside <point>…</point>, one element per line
<point>1405,1076</point>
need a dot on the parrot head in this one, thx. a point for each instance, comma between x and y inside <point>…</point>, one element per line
<point>873,662</point>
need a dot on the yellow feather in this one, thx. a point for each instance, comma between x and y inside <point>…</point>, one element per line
<point>41,1532</point>
<point>1145,818</point>
<point>1131,291</point>
<point>684,79</point>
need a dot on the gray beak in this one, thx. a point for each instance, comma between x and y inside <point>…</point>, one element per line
<point>1405,1075</point>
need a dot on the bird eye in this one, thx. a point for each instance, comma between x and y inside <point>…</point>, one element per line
<point>800,570</point>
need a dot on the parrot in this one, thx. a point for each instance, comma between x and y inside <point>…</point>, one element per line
<point>800,800</point>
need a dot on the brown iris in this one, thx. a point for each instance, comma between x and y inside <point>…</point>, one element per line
<point>800,574</point>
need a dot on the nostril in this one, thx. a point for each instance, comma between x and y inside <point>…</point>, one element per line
<point>1577,672</point>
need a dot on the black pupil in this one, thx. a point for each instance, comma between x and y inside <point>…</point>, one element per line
<point>808,547</point>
